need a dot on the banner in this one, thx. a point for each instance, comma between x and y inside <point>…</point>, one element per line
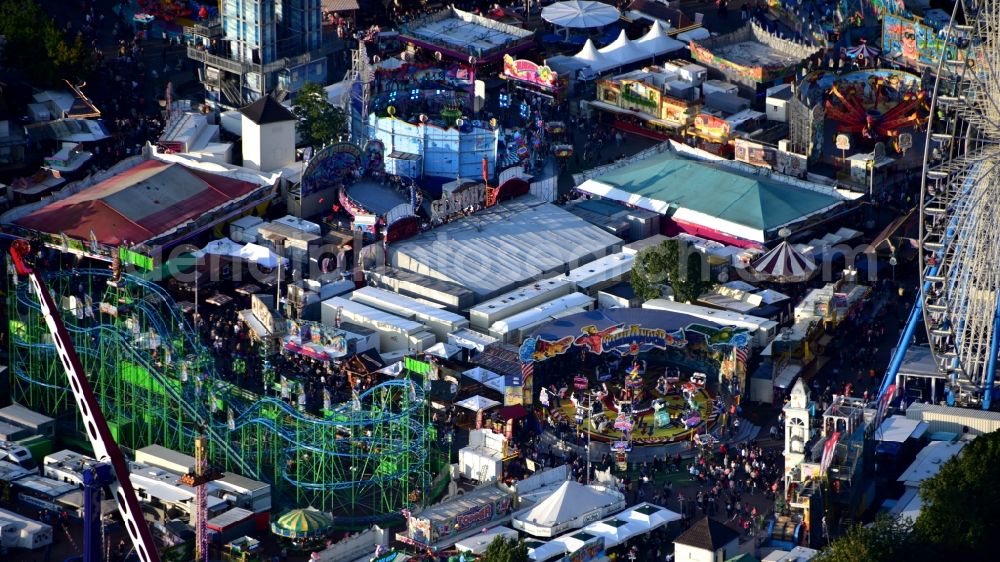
<point>529,72</point>
<point>828,452</point>
<point>754,153</point>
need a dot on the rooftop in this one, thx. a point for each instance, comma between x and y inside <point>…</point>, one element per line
<point>464,33</point>
<point>707,534</point>
<point>929,461</point>
<point>267,110</point>
<point>668,184</point>
<point>503,247</point>
<point>138,204</point>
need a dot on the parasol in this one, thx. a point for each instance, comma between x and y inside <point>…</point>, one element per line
<point>302,524</point>
<point>580,14</point>
<point>784,264</point>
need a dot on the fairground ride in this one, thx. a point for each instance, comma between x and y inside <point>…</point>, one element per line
<point>364,461</point>
<point>959,301</point>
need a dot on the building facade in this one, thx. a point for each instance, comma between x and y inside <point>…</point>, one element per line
<point>260,47</point>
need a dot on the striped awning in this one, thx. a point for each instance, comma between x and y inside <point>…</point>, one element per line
<point>784,264</point>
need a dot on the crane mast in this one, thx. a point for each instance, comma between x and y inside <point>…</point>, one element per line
<point>98,432</point>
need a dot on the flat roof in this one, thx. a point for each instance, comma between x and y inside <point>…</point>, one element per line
<point>601,270</point>
<point>897,429</point>
<point>167,455</point>
<point>464,503</point>
<point>522,294</point>
<point>394,302</point>
<point>464,32</point>
<point>374,315</point>
<point>24,416</point>
<point>929,461</point>
<point>504,246</point>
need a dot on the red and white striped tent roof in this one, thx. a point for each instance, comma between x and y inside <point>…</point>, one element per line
<point>784,264</point>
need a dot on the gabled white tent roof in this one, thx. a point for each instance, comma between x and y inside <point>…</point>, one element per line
<point>622,49</point>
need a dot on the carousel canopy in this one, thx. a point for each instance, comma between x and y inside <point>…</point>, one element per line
<point>862,50</point>
<point>580,14</point>
<point>784,264</point>
<point>301,524</point>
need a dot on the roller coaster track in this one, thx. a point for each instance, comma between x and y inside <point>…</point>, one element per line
<point>341,435</point>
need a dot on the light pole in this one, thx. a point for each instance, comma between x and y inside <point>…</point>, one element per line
<point>588,427</point>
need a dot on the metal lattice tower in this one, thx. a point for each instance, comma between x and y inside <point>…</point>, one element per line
<point>960,199</point>
<point>156,385</point>
<point>359,78</point>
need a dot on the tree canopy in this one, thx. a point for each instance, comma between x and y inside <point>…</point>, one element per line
<point>959,521</point>
<point>961,511</point>
<point>672,262</point>
<point>506,550</point>
<point>38,47</point>
<point>319,122</point>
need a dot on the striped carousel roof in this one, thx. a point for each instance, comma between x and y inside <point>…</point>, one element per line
<point>784,264</point>
<point>301,523</point>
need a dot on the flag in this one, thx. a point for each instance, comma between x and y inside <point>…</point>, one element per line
<point>742,355</point>
<point>883,404</point>
<point>828,450</point>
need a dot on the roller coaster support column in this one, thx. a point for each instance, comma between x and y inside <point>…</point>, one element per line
<point>95,478</point>
<point>916,316</point>
<point>991,368</point>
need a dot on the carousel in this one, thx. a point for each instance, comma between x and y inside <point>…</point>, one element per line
<point>643,377</point>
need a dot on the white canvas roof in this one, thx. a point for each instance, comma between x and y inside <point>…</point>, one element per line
<point>570,502</point>
<point>650,516</point>
<point>696,34</point>
<point>615,530</point>
<point>477,403</point>
<point>260,255</point>
<point>656,40</point>
<point>220,247</point>
<point>897,429</point>
<point>443,350</point>
<point>477,544</point>
<point>589,53</point>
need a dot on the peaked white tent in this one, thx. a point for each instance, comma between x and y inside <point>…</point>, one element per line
<point>649,516</point>
<point>261,256</point>
<point>623,51</point>
<point>569,507</point>
<point>477,403</point>
<point>656,40</point>
<point>486,377</point>
<point>784,264</point>
<point>589,54</point>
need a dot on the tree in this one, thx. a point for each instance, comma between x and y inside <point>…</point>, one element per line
<point>506,550</point>
<point>961,503</point>
<point>888,539</point>
<point>319,122</point>
<point>672,262</point>
<point>37,46</point>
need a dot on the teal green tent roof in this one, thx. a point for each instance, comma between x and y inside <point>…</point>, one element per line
<point>730,196</point>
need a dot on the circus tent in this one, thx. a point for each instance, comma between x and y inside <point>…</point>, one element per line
<point>784,264</point>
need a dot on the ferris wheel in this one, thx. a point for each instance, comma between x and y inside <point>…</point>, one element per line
<point>960,200</point>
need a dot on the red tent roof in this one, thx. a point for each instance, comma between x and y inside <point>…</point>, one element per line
<point>137,205</point>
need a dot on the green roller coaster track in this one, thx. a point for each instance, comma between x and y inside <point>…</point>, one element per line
<point>363,461</point>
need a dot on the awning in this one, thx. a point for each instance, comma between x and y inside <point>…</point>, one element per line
<point>513,412</point>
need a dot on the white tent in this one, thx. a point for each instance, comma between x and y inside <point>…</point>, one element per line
<point>220,247</point>
<point>480,374</point>
<point>443,350</point>
<point>261,256</point>
<point>569,507</point>
<point>590,55</point>
<point>784,264</point>
<point>649,516</point>
<point>615,531</point>
<point>477,544</point>
<point>656,40</point>
<point>393,370</point>
<point>580,14</point>
<point>547,551</point>
<point>477,403</point>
